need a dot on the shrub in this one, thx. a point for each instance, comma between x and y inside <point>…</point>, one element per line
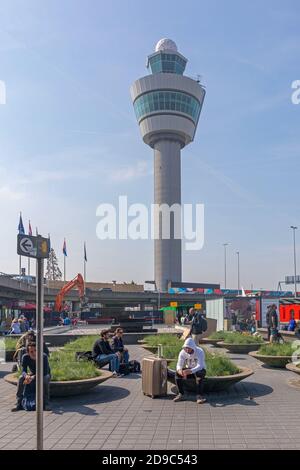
<point>64,366</point>
<point>276,349</point>
<point>217,364</point>
<point>10,343</point>
<point>220,335</point>
<point>164,339</point>
<point>82,344</point>
<point>242,338</point>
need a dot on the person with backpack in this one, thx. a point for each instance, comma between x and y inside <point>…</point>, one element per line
<point>118,346</point>
<point>102,351</point>
<point>26,384</point>
<point>198,325</point>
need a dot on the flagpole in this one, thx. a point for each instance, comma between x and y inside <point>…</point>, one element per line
<point>64,268</point>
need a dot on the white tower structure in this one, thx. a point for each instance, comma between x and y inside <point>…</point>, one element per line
<point>167,105</point>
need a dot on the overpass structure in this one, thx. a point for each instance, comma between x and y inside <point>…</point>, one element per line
<point>17,290</point>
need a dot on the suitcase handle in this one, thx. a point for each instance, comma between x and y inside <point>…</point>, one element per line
<point>159,350</point>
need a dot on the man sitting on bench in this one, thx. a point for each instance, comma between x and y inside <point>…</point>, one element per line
<point>190,365</point>
<point>102,353</point>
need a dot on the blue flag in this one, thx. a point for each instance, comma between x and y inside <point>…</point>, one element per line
<point>65,248</point>
<point>21,226</point>
<point>85,257</point>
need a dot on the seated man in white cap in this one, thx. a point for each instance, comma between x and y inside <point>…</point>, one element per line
<point>190,365</point>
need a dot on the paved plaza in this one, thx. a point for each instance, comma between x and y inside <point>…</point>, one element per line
<point>261,412</point>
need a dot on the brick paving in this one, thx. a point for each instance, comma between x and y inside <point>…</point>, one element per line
<point>261,412</point>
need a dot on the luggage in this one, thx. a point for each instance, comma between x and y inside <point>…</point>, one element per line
<point>154,376</point>
<point>135,367</point>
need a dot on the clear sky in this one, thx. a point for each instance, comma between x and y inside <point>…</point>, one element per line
<point>69,139</point>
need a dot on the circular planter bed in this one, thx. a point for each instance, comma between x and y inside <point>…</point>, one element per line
<point>272,361</point>
<point>8,355</point>
<point>214,384</point>
<point>239,348</point>
<point>293,368</point>
<point>69,387</point>
<point>214,342</point>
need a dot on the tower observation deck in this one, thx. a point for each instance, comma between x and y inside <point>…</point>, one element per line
<point>167,105</point>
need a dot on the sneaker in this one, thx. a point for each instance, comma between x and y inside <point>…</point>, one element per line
<point>179,397</point>
<point>114,374</point>
<point>18,407</point>
<point>201,400</point>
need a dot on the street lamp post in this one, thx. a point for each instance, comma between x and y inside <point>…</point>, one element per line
<point>225,265</point>
<point>238,270</point>
<point>295,266</point>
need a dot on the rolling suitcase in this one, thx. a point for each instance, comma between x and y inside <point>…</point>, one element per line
<point>154,376</point>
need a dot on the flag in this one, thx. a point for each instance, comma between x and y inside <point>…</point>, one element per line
<point>21,226</point>
<point>29,229</point>
<point>85,257</point>
<point>36,231</point>
<point>65,248</point>
<point>49,241</point>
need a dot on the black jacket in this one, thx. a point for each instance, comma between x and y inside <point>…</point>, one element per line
<point>117,344</point>
<point>101,347</point>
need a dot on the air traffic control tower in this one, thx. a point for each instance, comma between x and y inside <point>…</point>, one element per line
<point>167,105</point>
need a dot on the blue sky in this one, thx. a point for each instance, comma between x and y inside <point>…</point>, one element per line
<point>69,140</point>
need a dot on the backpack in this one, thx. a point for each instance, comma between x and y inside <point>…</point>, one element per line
<point>124,368</point>
<point>28,402</point>
<point>85,356</point>
<point>199,324</point>
<point>135,367</point>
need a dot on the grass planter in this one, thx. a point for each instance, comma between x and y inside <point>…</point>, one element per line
<point>293,368</point>
<point>214,384</point>
<point>213,342</point>
<point>69,387</point>
<point>274,354</point>
<point>239,348</point>
<point>272,361</point>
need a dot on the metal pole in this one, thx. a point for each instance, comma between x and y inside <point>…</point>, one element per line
<point>40,351</point>
<point>238,257</point>
<point>64,268</point>
<point>295,267</point>
<point>225,265</point>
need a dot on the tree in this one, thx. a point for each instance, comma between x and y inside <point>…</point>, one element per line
<point>53,273</point>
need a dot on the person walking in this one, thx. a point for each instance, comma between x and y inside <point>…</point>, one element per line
<point>198,325</point>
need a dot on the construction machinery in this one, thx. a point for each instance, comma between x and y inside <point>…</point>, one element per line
<point>77,282</point>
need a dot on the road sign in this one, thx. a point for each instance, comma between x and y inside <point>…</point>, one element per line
<point>33,247</point>
<point>173,304</point>
<point>198,306</point>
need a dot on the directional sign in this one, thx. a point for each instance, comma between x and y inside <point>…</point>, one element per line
<point>33,247</point>
<point>26,246</point>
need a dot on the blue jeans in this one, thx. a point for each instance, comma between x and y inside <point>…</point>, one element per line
<point>114,362</point>
<point>125,357</point>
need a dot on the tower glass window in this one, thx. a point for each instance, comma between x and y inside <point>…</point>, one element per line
<point>167,100</point>
<point>166,63</point>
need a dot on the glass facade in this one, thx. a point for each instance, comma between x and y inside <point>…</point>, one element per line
<point>167,100</point>
<point>167,63</point>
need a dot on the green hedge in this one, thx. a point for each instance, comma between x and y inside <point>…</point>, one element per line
<point>217,363</point>
<point>276,349</point>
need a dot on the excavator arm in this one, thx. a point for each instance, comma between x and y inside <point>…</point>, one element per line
<point>77,282</point>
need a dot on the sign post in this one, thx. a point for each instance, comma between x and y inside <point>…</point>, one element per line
<point>38,248</point>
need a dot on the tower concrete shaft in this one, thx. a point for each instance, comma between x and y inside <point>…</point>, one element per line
<point>167,105</point>
<point>167,190</point>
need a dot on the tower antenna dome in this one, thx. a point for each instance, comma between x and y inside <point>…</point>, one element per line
<point>166,44</point>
